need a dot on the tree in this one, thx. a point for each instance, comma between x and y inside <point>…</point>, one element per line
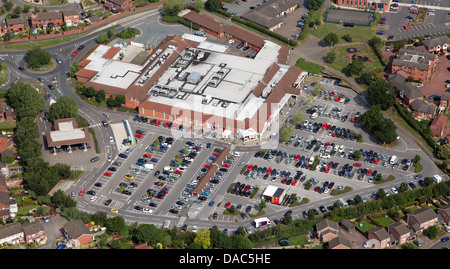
<point>8,36</point>
<point>17,10</point>
<point>347,38</point>
<point>443,152</point>
<point>101,96</point>
<point>25,100</point>
<point>203,238</point>
<point>433,231</point>
<point>198,5</point>
<point>102,38</point>
<point>8,5</point>
<point>298,117</point>
<point>26,8</point>
<point>383,129</point>
<point>172,7</point>
<point>37,57</point>
<point>331,38</point>
<point>331,57</point>
<point>315,4</point>
<point>213,5</point>
<point>355,67</point>
<point>115,224</point>
<point>120,99</point>
<point>381,92</point>
<point>65,107</point>
<point>286,131</point>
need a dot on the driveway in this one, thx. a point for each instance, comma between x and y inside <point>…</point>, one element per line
<point>52,230</point>
<point>437,83</point>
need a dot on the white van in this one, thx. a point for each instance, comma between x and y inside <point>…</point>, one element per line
<point>437,178</point>
<point>393,159</point>
<point>314,115</point>
<point>324,156</point>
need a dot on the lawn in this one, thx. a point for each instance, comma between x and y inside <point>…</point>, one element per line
<point>309,67</point>
<point>358,33</point>
<point>382,220</point>
<point>3,73</point>
<point>364,226</point>
<point>322,29</point>
<point>298,240</point>
<point>343,58</point>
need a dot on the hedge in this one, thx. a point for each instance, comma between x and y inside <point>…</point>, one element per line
<point>167,18</point>
<point>265,31</point>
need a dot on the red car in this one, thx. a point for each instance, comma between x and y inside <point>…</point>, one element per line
<point>227,205</point>
<point>405,27</point>
<point>294,182</point>
<point>324,125</point>
<point>354,119</point>
<point>297,157</point>
<point>283,180</point>
<point>413,12</point>
<point>247,187</point>
<point>146,155</point>
<point>82,192</point>
<point>75,53</point>
<point>226,165</point>
<point>157,183</point>
<point>382,22</point>
<point>369,172</point>
<point>357,164</point>
<point>337,99</point>
<point>334,134</point>
<point>327,170</point>
<point>269,170</point>
<point>207,166</point>
<point>139,136</point>
<point>178,172</point>
<point>250,166</point>
<point>108,174</point>
<point>377,161</point>
<point>166,124</point>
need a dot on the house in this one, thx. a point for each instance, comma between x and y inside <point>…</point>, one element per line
<point>77,231</point>
<point>4,204</point>
<point>404,90</point>
<point>381,235</point>
<point>438,124</point>
<point>3,143</point>
<point>206,23</point>
<point>271,14</point>
<point>444,212</point>
<point>437,44</point>
<point>339,243</point>
<point>327,230</point>
<point>415,62</point>
<point>422,110</point>
<point>421,219</point>
<point>377,5</point>
<point>71,18</point>
<point>11,234</point>
<point>347,226</point>
<point>34,233</point>
<point>17,24</point>
<point>401,233</point>
<point>46,19</point>
<point>116,5</point>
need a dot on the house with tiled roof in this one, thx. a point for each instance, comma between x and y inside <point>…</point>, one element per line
<point>339,243</point>
<point>415,62</point>
<point>381,235</point>
<point>404,90</point>
<point>421,219</point>
<point>327,230</point>
<point>422,110</point>
<point>76,230</point>
<point>47,19</point>
<point>11,234</point>
<point>401,233</point>
<point>444,212</point>
<point>437,44</point>
<point>34,232</point>
<point>438,125</point>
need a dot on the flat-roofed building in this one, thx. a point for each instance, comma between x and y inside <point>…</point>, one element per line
<point>67,133</point>
<point>193,82</point>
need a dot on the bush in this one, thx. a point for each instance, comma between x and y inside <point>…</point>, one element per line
<point>37,57</point>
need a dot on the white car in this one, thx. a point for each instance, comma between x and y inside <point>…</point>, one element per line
<point>314,115</point>
<point>326,190</point>
<point>366,244</point>
<point>148,210</point>
<point>341,148</point>
<point>93,198</point>
<point>111,139</point>
<point>394,190</point>
<point>194,229</point>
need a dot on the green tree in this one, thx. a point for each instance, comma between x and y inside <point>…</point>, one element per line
<point>100,96</point>
<point>331,57</point>
<point>433,231</point>
<point>315,4</point>
<point>102,38</point>
<point>330,39</point>
<point>8,5</point>
<point>172,7</point>
<point>37,57</point>
<point>65,107</point>
<point>443,152</point>
<point>355,67</point>
<point>381,92</point>
<point>26,8</point>
<point>347,38</point>
<point>286,131</point>
<point>203,238</point>
<point>25,100</point>
<point>213,5</point>
<point>115,224</point>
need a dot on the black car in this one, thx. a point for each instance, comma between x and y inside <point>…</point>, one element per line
<point>122,155</point>
<point>112,168</point>
<point>108,202</point>
<point>390,37</point>
<point>90,192</point>
<point>412,185</point>
<point>93,160</point>
<point>98,184</point>
<point>174,211</point>
<point>51,87</point>
<point>153,204</point>
<point>138,207</point>
<point>80,47</point>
